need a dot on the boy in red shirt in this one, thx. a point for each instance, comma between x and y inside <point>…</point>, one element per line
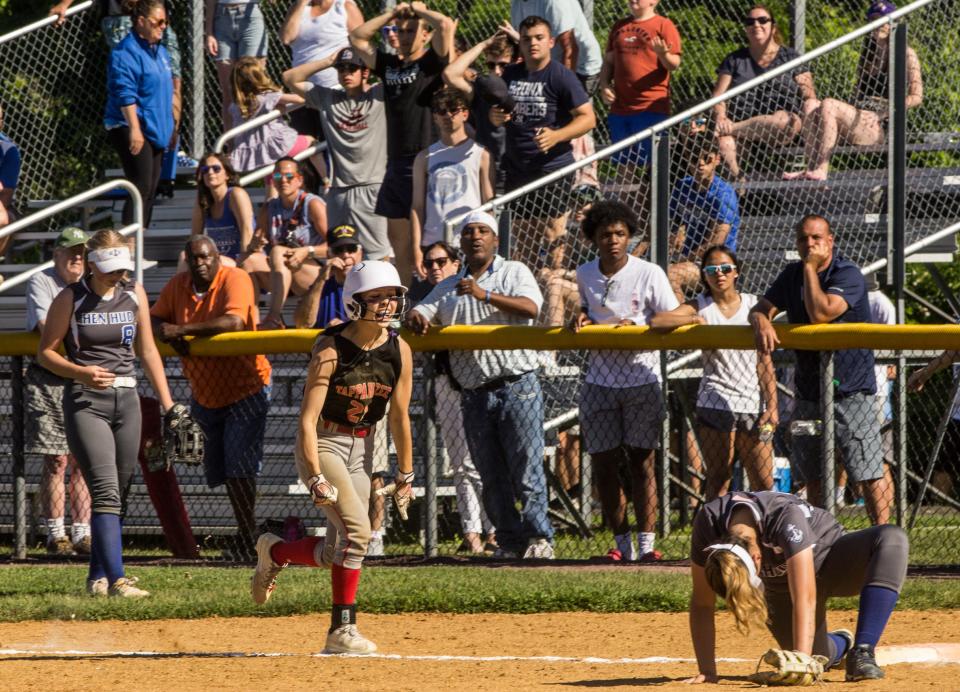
<point>642,50</point>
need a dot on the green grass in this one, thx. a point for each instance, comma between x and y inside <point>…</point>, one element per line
<point>54,593</point>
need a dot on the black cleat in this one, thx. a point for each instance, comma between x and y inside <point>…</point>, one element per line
<point>862,665</point>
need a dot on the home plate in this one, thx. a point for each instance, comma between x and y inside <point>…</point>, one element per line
<point>918,653</point>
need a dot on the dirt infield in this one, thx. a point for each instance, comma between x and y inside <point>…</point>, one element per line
<point>423,651</point>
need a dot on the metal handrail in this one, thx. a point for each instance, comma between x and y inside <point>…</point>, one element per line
<point>59,207</point>
<point>251,124</point>
<point>261,173</point>
<point>606,152</point>
<point>46,21</point>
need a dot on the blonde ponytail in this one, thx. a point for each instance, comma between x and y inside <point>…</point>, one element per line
<point>730,580</point>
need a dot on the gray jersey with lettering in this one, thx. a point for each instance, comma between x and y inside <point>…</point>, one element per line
<point>102,330</point>
<point>786,524</point>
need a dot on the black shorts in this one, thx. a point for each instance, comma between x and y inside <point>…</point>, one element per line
<point>547,202</point>
<point>396,192</point>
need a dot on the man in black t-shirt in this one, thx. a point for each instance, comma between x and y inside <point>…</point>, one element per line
<point>551,109</point>
<point>420,57</point>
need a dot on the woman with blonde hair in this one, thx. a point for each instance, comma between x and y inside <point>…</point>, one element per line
<point>254,94</point>
<point>776,560</point>
<point>103,323</point>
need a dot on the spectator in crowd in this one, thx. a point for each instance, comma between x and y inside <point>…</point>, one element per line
<point>255,94</point>
<point>575,46</point>
<point>451,177</point>
<point>441,262</point>
<point>704,211</point>
<point>642,51</point>
<point>355,127</point>
<point>501,395</point>
<point>139,115</point>
<point>233,29</point>
<point>315,29</point>
<point>293,226</point>
<point>832,290</point>
<point>551,109</point>
<point>44,407</point>
<point>771,113</point>
<point>9,179</point>
<point>322,305</point>
<point>231,395</point>
<point>484,90</point>
<point>621,401</point>
<point>863,122</point>
<point>224,214</point>
<point>103,323</point>
<point>420,57</point>
<point>732,420</point>
<point>116,24</point>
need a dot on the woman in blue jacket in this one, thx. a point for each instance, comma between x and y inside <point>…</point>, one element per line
<point>139,113</point>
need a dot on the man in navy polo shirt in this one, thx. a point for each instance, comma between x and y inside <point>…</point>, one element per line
<point>823,288</point>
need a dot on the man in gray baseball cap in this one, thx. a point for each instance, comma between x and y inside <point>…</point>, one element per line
<point>44,394</point>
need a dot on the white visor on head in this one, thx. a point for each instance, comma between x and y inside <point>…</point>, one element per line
<point>744,557</point>
<point>111,259</point>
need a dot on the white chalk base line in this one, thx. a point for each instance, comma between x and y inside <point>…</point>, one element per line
<point>886,655</point>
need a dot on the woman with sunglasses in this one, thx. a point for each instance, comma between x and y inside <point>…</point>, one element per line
<point>770,113</point>
<point>863,122</point>
<point>224,213</point>
<point>103,323</point>
<point>139,116</point>
<point>732,421</point>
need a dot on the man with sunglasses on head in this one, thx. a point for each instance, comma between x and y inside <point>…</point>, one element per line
<point>293,227</point>
<point>704,211</point>
<point>421,56</point>
<point>355,127</point>
<point>451,177</point>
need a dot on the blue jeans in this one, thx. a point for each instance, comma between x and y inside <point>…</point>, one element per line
<point>504,429</point>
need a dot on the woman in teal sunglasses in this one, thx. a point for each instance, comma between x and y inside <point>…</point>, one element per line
<point>732,420</point>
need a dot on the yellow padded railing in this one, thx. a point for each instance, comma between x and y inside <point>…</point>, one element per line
<point>912,337</point>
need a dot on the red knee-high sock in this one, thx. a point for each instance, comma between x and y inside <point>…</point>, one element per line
<point>345,582</point>
<point>296,552</point>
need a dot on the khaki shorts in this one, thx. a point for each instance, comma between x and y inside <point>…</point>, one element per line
<point>857,434</point>
<point>612,417</point>
<point>44,432</point>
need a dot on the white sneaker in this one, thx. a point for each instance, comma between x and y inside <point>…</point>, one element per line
<point>840,497</point>
<point>375,547</point>
<point>264,579</point>
<point>97,587</point>
<point>347,640</point>
<point>124,588</point>
<point>539,549</point>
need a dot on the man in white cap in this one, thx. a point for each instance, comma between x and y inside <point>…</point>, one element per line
<point>501,399</point>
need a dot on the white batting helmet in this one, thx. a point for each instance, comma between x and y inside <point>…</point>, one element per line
<point>367,276</point>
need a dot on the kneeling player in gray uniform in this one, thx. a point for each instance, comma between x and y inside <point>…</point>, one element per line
<point>776,560</point>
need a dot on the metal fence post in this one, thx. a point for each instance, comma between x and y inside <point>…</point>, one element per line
<point>828,480</point>
<point>798,19</point>
<point>430,461</point>
<point>197,82</point>
<point>659,254</point>
<point>19,461</point>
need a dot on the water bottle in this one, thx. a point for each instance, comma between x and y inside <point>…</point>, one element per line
<point>782,482</point>
<point>806,428</point>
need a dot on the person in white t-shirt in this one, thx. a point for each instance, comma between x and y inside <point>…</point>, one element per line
<point>732,419</point>
<point>621,401</point>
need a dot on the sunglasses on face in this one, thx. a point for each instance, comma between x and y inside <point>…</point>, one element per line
<point>345,249</point>
<point>439,262</point>
<point>448,111</point>
<point>491,65</point>
<point>212,168</point>
<point>714,269</point>
<point>284,176</point>
<point>762,21</point>
<point>390,29</point>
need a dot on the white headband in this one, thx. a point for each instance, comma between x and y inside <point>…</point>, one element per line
<point>111,259</point>
<point>744,557</point>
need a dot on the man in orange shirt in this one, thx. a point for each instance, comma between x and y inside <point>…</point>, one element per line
<point>231,395</point>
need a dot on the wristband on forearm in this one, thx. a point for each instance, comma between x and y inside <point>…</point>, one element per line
<point>405,478</point>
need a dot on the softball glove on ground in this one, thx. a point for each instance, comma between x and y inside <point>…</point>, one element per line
<point>183,438</point>
<point>790,668</point>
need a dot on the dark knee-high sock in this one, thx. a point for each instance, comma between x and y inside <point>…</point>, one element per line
<point>876,606</point>
<point>107,545</point>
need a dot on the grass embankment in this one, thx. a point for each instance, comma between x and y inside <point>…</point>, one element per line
<point>45,593</point>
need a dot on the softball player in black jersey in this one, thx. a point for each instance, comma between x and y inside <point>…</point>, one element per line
<point>103,321</point>
<point>357,369</point>
<point>776,560</point>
